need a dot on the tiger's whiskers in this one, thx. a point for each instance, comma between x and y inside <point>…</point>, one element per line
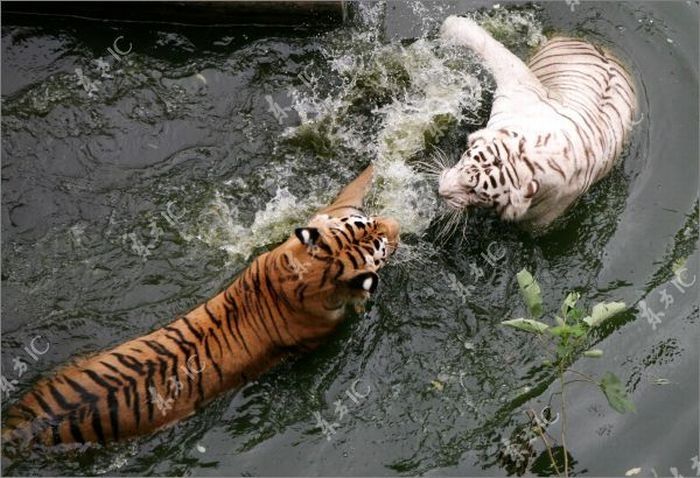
<point>434,166</point>
<point>449,222</point>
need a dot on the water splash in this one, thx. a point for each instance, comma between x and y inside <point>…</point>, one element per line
<point>369,99</point>
<point>221,224</point>
<point>415,122</point>
<point>515,27</point>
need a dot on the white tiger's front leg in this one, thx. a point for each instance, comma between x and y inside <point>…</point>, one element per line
<point>520,201</point>
<point>508,70</point>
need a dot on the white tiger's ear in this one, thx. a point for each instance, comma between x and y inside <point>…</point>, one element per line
<point>532,189</point>
<point>520,201</point>
<point>307,235</point>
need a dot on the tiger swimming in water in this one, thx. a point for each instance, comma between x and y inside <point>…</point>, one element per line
<point>287,300</point>
<point>557,126</point>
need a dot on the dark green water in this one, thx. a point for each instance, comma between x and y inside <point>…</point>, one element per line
<point>182,127</point>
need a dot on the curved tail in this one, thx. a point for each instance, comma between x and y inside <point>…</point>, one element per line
<point>508,70</point>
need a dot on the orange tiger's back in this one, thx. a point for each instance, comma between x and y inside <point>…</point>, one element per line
<point>139,386</point>
<point>288,299</point>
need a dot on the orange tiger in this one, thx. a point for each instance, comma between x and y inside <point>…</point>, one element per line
<point>287,300</point>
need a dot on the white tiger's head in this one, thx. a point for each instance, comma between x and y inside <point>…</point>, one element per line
<point>493,173</point>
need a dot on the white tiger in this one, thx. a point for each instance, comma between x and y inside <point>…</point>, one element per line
<point>556,127</point>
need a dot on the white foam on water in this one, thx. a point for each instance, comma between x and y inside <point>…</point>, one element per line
<point>110,464</point>
<point>438,96</point>
<point>221,226</point>
<point>422,107</point>
<point>512,27</point>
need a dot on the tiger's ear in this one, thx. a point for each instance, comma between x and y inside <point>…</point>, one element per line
<point>307,235</point>
<point>532,189</point>
<point>520,201</point>
<point>366,281</point>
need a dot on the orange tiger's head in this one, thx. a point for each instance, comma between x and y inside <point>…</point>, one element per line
<point>334,260</point>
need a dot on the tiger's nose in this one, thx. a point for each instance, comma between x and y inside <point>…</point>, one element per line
<point>452,189</point>
<point>448,184</point>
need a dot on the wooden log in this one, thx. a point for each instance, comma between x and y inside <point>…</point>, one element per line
<point>235,13</point>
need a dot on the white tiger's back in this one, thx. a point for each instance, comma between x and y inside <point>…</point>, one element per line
<point>592,85</point>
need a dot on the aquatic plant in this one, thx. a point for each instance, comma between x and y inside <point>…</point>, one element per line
<point>565,341</point>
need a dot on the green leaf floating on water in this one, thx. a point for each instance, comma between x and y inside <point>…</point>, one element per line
<point>569,303</point>
<point>603,311</point>
<point>528,325</point>
<point>531,293</point>
<point>577,330</point>
<point>616,393</point>
<point>437,385</point>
